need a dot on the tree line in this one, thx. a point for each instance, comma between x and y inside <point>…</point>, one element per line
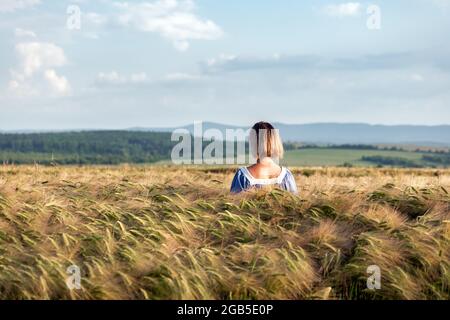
<point>86,147</point>
<point>115,147</point>
<point>442,160</point>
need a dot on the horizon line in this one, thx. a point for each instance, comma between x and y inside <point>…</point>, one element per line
<point>153,128</point>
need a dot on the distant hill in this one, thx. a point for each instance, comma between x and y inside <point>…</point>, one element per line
<point>352,133</point>
<point>322,133</point>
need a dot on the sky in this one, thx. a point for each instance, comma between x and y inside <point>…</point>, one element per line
<point>107,64</point>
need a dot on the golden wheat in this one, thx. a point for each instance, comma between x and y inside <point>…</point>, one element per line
<point>156,232</point>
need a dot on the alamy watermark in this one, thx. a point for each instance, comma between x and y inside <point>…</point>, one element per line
<point>74,17</point>
<point>216,147</point>
<point>374,19</point>
<point>73,281</point>
<point>374,279</point>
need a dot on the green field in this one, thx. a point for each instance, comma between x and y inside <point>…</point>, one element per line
<point>336,157</point>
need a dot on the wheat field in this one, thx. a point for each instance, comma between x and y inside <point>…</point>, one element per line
<point>162,232</point>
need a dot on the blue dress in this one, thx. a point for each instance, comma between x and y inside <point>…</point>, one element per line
<point>243,180</point>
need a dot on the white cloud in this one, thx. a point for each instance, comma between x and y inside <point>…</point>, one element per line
<point>115,78</point>
<point>417,77</point>
<point>181,77</point>
<point>110,77</point>
<point>138,77</point>
<point>444,4</point>
<point>95,18</point>
<point>344,9</point>
<point>93,24</point>
<point>58,84</point>
<point>22,89</point>
<point>174,20</point>
<point>24,33</point>
<point>37,61</point>
<point>221,60</point>
<point>13,5</point>
<point>37,55</point>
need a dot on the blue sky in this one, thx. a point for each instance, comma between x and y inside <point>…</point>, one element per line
<point>172,62</point>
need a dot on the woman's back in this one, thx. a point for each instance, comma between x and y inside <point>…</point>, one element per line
<point>261,171</point>
<point>245,180</point>
<point>267,148</point>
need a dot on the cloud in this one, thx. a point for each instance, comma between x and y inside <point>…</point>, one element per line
<point>173,20</point>
<point>37,61</point>
<point>185,80</point>
<point>181,77</point>
<point>93,24</point>
<point>110,77</point>
<point>13,5</point>
<point>299,63</point>
<point>58,84</point>
<point>443,4</point>
<point>138,77</point>
<point>35,56</point>
<point>24,33</point>
<point>115,78</point>
<point>348,9</point>
<point>222,59</point>
<point>417,77</point>
<point>95,18</point>
<point>230,63</point>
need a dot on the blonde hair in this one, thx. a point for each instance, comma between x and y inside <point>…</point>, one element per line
<point>265,141</point>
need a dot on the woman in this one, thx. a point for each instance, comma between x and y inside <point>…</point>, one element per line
<point>267,148</point>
